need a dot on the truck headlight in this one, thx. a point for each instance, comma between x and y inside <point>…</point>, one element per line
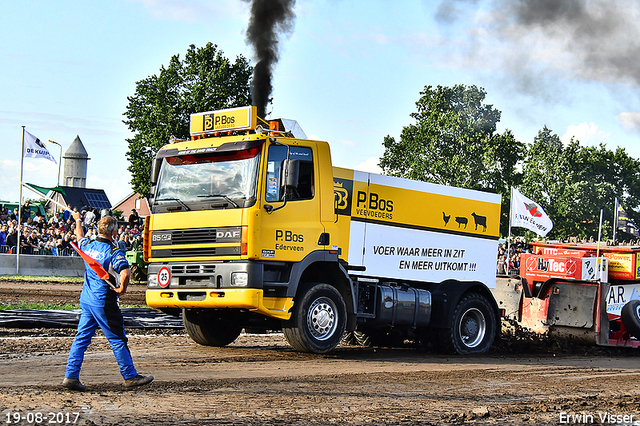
<point>239,279</point>
<point>152,280</point>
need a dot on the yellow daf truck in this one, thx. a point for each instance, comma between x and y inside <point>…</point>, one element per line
<point>253,228</point>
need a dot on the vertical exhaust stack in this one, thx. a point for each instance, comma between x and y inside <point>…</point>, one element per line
<point>268,19</point>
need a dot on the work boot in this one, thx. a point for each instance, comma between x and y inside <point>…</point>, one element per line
<point>73,384</point>
<point>137,381</point>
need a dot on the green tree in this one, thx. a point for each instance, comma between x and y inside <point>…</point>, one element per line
<point>160,108</point>
<point>454,142</point>
<point>573,183</point>
<point>547,175</point>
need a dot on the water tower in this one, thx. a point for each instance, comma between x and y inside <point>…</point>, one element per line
<point>75,165</point>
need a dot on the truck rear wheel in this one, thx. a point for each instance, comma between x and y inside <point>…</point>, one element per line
<point>473,327</point>
<point>630,317</point>
<point>210,329</point>
<point>318,320</point>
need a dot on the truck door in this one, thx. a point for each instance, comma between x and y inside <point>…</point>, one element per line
<point>292,229</point>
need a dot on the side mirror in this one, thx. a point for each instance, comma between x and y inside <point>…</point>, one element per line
<point>155,170</point>
<point>291,170</point>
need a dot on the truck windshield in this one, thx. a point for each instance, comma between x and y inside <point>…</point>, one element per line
<point>197,182</point>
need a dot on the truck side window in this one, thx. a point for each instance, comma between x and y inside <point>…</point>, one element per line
<point>275,163</point>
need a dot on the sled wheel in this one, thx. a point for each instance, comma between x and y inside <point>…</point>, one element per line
<point>630,317</point>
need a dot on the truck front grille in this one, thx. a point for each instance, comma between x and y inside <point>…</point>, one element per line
<point>193,269</point>
<point>190,236</point>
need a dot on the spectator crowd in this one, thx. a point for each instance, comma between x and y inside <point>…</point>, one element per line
<point>509,263</point>
<point>55,235</point>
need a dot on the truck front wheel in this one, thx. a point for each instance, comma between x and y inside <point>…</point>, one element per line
<point>318,320</point>
<point>210,329</point>
<point>473,327</point>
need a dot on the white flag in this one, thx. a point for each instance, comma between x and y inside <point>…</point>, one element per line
<point>35,148</point>
<point>528,214</point>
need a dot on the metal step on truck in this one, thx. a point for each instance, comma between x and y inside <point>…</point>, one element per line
<point>253,228</point>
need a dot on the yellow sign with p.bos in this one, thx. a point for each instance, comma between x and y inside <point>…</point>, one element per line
<point>243,118</point>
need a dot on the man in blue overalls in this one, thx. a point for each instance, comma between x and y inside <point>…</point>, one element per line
<point>99,303</point>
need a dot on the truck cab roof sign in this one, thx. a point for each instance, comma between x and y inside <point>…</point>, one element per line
<point>224,148</point>
<point>243,118</point>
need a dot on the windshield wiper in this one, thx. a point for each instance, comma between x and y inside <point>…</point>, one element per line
<point>222,196</point>
<point>175,199</point>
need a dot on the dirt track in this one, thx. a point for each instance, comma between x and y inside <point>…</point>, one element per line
<point>260,380</point>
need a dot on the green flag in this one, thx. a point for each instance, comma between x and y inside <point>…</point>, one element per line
<point>44,191</point>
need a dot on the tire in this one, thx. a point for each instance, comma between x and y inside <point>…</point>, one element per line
<point>348,339</point>
<point>137,274</point>
<point>630,317</point>
<point>318,320</point>
<point>356,338</point>
<point>362,339</point>
<point>210,329</point>
<point>472,329</point>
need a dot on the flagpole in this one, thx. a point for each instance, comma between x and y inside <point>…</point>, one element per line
<point>615,220</point>
<point>20,205</point>
<point>599,234</point>
<point>509,237</point>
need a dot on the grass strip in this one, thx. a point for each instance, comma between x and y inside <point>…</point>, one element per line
<point>37,306</point>
<point>50,306</point>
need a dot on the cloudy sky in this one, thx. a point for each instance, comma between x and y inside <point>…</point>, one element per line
<point>349,72</point>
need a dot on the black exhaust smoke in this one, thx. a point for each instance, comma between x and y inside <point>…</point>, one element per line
<point>268,19</point>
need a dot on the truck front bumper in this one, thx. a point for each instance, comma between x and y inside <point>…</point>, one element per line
<point>229,298</point>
